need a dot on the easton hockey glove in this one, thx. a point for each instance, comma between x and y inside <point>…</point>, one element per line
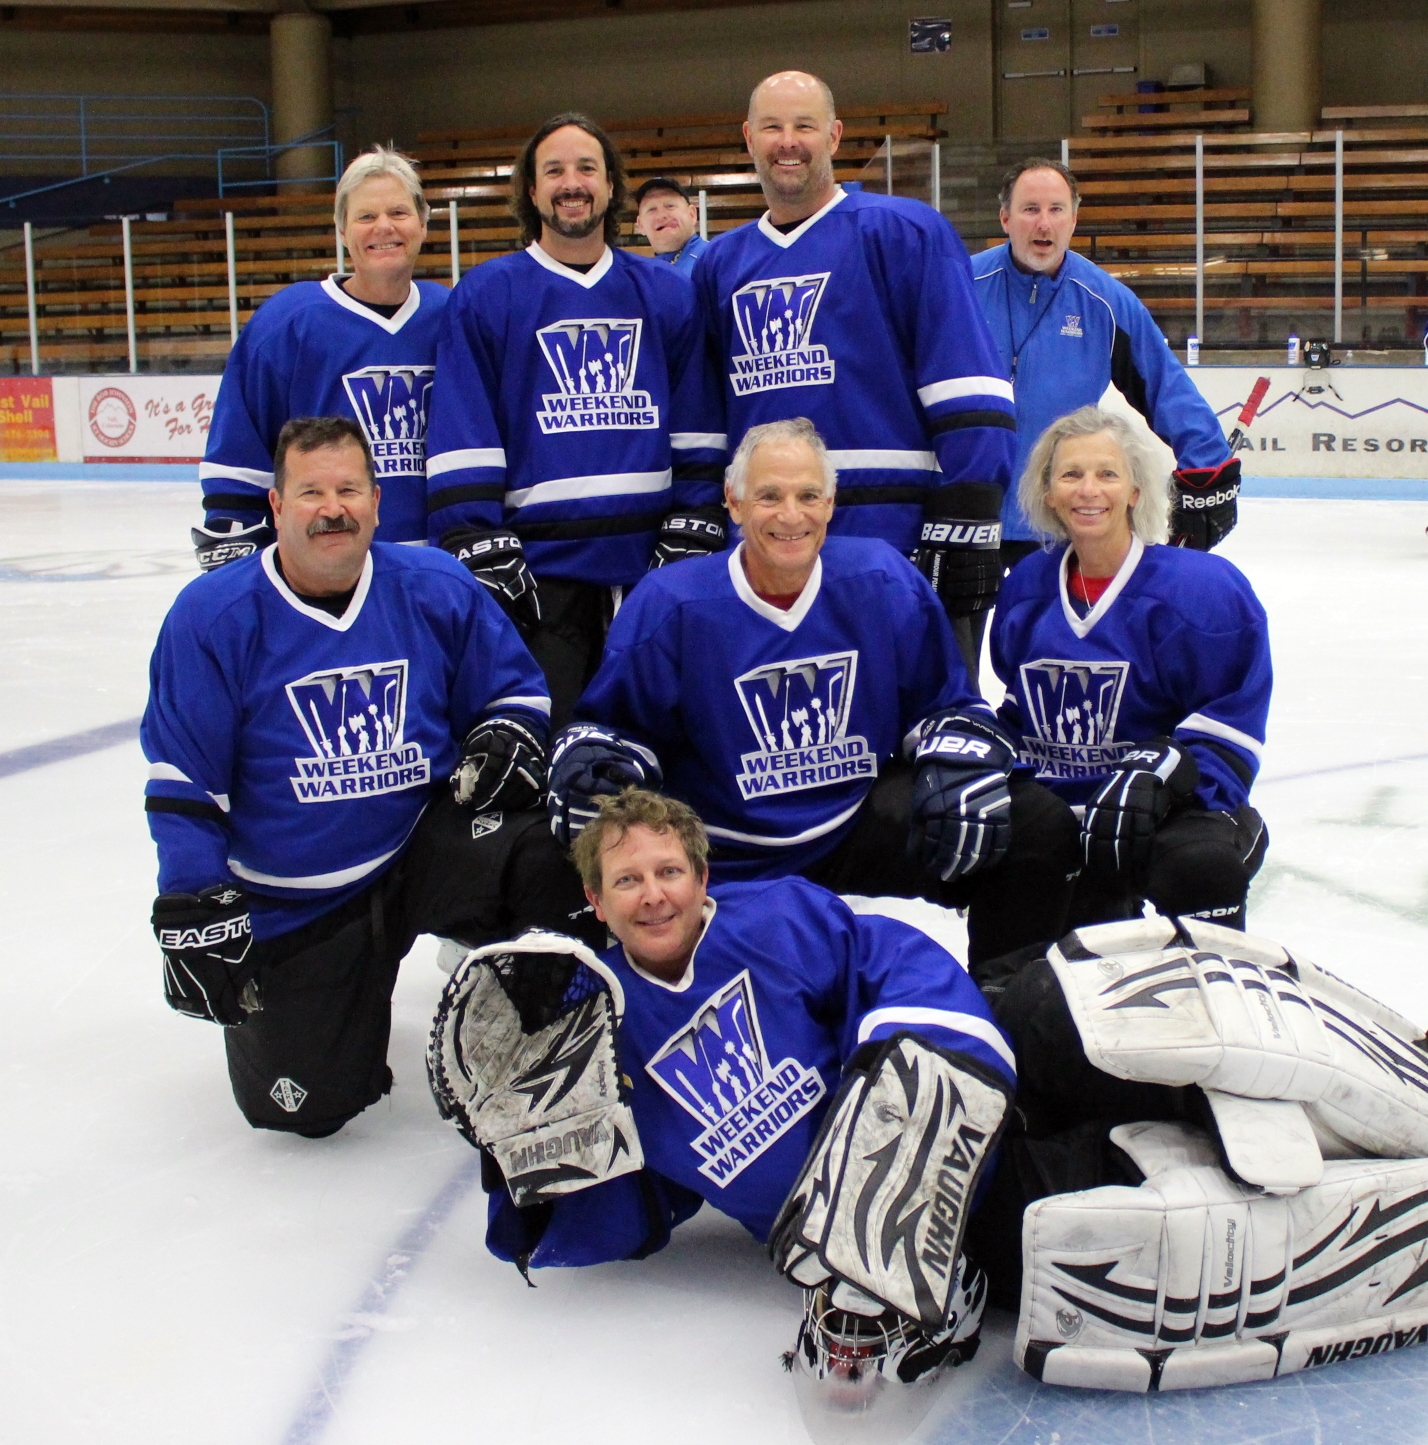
<point>226,539</point>
<point>959,551</point>
<point>586,762</point>
<point>1119,824</point>
<point>498,562</point>
<point>502,766</point>
<point>690,534</point>
<point>1206,505</point>
<point>961,806</point>
<point>206,939</point>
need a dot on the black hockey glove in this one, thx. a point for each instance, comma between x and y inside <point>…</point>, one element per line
<point>498,562</point>
<point>225,539</point>
<point>586,762</point>
<point>1120,820</point>
<point>959,551</point>
<point>961,806</point>
<point>1205,508</point>
<point>502,766</point>
<point>690,534</point>
<point>206,940</point>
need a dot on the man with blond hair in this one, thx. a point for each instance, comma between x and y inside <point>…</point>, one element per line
<point>361,345</point>
<point>857,311</point>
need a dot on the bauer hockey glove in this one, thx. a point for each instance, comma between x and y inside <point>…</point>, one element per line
<point>1119,824</point>
<point>502,766</point>
<point>206,939</point>
<point>961,806</point>
<point>1206,505</point>
<point>498,562</point>
<point>959,550</point>
<point>690,534</point>
<point>587,762</point>
<point>225,539</point>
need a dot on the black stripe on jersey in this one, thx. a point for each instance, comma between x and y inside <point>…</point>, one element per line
<point>957,420</point>
<point>868,496</point>
<point>596,527</point>
<point>1231,759</point>
<point>698,472</point>
<point>190,808</point>
<point>254,501</point>
<point>450,496</point>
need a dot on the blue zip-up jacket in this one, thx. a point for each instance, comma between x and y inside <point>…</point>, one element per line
<point>1065,339</point>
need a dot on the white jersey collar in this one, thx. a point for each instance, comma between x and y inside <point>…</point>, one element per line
<point>683,982</point>
<point>789,620</point>
<point>587,279</point>
<point>1082,625</point>
<point>337,624</point>
<point>778,237</point>
<point>391,324</point>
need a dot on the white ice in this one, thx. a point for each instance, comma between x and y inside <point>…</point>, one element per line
<point>170,1275</point>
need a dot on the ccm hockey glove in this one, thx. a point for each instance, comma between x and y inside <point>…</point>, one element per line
<point>206,939</point>
<point>961,807</point>
<point>959,551</point>
<point>690,534</point>
<point>498,562</point>
<point>1120,820</point>
<point>502,766</point>
<point>587,762</point>
<point>1206,505</point>
<point>226,539</point>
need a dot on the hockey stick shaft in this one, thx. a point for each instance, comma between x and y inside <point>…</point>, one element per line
<point>1247,413</point>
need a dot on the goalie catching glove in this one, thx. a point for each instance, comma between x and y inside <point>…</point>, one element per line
<point>690,534</point>
<point>226,539</point>
<point>1119,825</point>
<point>1206,505</point>
<point>878,1213</point>
<point>522,1061</point>
<point>961,805</point>
<point>502,766</point>
<point>206,939</point>
<point>498,562</point>
<point>1194,1279</point>
<point>586,763</point>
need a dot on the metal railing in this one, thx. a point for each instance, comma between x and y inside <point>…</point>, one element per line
<point>318,140</point>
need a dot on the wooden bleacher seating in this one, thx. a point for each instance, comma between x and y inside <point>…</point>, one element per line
<point>1170,109</point>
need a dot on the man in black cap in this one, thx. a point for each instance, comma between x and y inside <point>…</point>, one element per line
<point>669,221</point>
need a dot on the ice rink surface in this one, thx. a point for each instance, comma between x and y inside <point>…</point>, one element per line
<point>170,1275</point>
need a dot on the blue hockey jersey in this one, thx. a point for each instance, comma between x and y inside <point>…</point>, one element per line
<point>1065,339</point>
<point>574,408</point>
<point>312,350</point>
<point>294,751</point>
<point>1177,645</point>
<point>773,725</point>
<point>788,980</point>
<point>863,319</point>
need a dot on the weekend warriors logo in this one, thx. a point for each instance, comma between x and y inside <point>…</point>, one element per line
<point>594,363</point>
<point>1072,709</point>
<point>799,713</point>
<point>775,321</point>
<point>716,1066</point>
<point>353,718</point>
<point>390,404</point>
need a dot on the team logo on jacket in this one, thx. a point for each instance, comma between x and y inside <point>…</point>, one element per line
<point>799,713</point>
<point>1072,327</point>
<point>1071,708</point>
<point>594,363</point>
<point>390,404</point>
<point>353,718</point>
<point>716,1066</point>
<point>775,321</point>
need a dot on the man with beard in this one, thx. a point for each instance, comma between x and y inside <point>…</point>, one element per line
<point>307,706</point>
<point>573,439</point>
<point>857,311</point>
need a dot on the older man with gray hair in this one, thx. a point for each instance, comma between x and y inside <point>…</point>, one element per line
<point>805,695</point>
<point>361,345</point>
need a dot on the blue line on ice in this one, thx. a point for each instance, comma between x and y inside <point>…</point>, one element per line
<point>73,745</point>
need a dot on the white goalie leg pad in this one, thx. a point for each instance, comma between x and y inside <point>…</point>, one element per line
<point>1195,1279</point>
<point>1238,1014</point>
<point>547,1104</point>
<point>883,1199</point>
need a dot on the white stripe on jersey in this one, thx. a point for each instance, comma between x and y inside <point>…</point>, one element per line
<point>565,489</point>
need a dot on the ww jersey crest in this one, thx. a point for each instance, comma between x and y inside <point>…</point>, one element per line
<point>775,322</point>
<point>799,711</point>
<point>353,719</point>
<point>717,1068</point>
<point>594,363</point>
<point>390,404</point>
<point>1072,708</point>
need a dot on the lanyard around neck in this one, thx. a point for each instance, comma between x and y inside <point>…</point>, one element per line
<point>1011,328</point>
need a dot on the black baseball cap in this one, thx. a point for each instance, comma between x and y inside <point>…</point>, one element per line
<point>659,183</point>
